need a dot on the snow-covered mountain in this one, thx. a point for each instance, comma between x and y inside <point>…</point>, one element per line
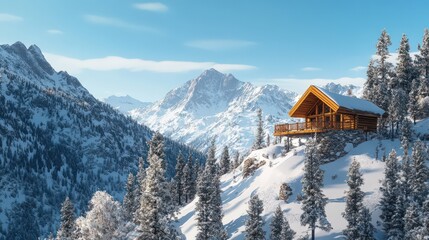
<point>217,105</point>
<point>346,89</point>
<point>125,104</point>
<point>57,140</point>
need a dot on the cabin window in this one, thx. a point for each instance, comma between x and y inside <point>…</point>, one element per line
<point>327,109</point>
<point>337,118</point>
<point>319,108</point>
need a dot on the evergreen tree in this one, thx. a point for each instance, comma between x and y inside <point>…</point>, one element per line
<point>268,139</point>
<point>276,224</point>
<point>179,179</point>
<point>189,172</point>
<point>103,220</point>
<point>209,205</point>
<point>405,72</point>
<point>413,100</point>
<point>287,232</point>
<point>421,172</point>
<point>423,230</point>
<point>225,161</point>
<point>236,159</point>
<point>314,201</point>
<point>397,224</point>
<point>397,110</point>
<point>155,208</point>
<point>259,137</point>
<point>384,71</point>
<point>389,191</point>
<point>412,220</point>
<point>67,228</point>
<point>354,199</point>
<point>422,62</point>
<point>255,223</point>
<point>364,225</point>
<point>371,82</point>
<point>139,188</point>
<point>129,198</point>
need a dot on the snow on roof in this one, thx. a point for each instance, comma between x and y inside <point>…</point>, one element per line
<point>352,103</point>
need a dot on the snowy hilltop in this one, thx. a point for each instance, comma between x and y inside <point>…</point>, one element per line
<point>217,105</point>
<point>347,89</point>
<point>277,167</point>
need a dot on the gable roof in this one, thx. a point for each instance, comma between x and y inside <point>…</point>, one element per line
<point>335,101</point>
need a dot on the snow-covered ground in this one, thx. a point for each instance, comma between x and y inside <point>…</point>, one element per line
<point>289,168</point>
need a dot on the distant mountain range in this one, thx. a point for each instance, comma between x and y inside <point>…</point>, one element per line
<point>125,104</point>
<point>218,105</point>
<point>57,140</point>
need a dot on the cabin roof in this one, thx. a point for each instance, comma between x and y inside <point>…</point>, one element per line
<point>334,101</point>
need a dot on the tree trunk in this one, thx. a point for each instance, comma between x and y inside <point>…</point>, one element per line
<point>312,234</point>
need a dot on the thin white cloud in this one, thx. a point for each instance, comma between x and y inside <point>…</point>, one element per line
<point>152,6</point>
<point>219,44</point>
<point>310,69</point>
<point>6,17</point>
<point>114,22</point>
<point>110,63</point>
<point>358,68</point>
<point>54,31</point>
<point>300,85</point>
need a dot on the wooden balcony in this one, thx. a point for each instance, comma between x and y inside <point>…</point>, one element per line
<point>303,128</point>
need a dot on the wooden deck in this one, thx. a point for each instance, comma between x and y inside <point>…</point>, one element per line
<point>303,128</point>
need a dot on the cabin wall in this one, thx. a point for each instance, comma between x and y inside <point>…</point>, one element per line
<point>367,123</point>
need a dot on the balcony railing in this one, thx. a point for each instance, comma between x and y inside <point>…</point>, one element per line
<point>315,126</point>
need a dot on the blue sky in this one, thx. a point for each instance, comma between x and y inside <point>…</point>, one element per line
<point>146,48</point>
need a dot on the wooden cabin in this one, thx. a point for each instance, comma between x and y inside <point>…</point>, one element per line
<point>322,110</point>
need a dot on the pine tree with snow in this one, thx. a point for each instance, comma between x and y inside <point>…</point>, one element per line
<point>423,231</point>
<point>225,161</point>
<point>67,228</point>
<point>259,137</point>
<point>389,190</point>
<point>397,223</point>
<point>209,205</point>
<point>287,232</point>
<point>397,110</point>
<point>384,71</point>
<point>413,100</point>
<point>354,199</point>
<point>276,224</point>
<point>255,223</point>
<point>371,81</point>
<point>236,159</point>
<point>405,72</point>
<point>422,62</point>
<point>179,179</point>
<point>155,205</point>
<point>421,172</point>
<point>129,199</point>
<point>268,140</point>
<point>139,188</point>
<point>189,180</point>
<point>412,220</point>
<point>364,225</point>
<point>103,220</point>
<point>406,135</point>
<point>314,201</point>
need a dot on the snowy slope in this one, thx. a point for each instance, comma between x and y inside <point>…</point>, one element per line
<point>266,182</point>
<point>125,104</point>
<point>216,104</point>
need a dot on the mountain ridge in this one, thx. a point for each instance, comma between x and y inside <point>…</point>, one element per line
<point>57,140</point>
